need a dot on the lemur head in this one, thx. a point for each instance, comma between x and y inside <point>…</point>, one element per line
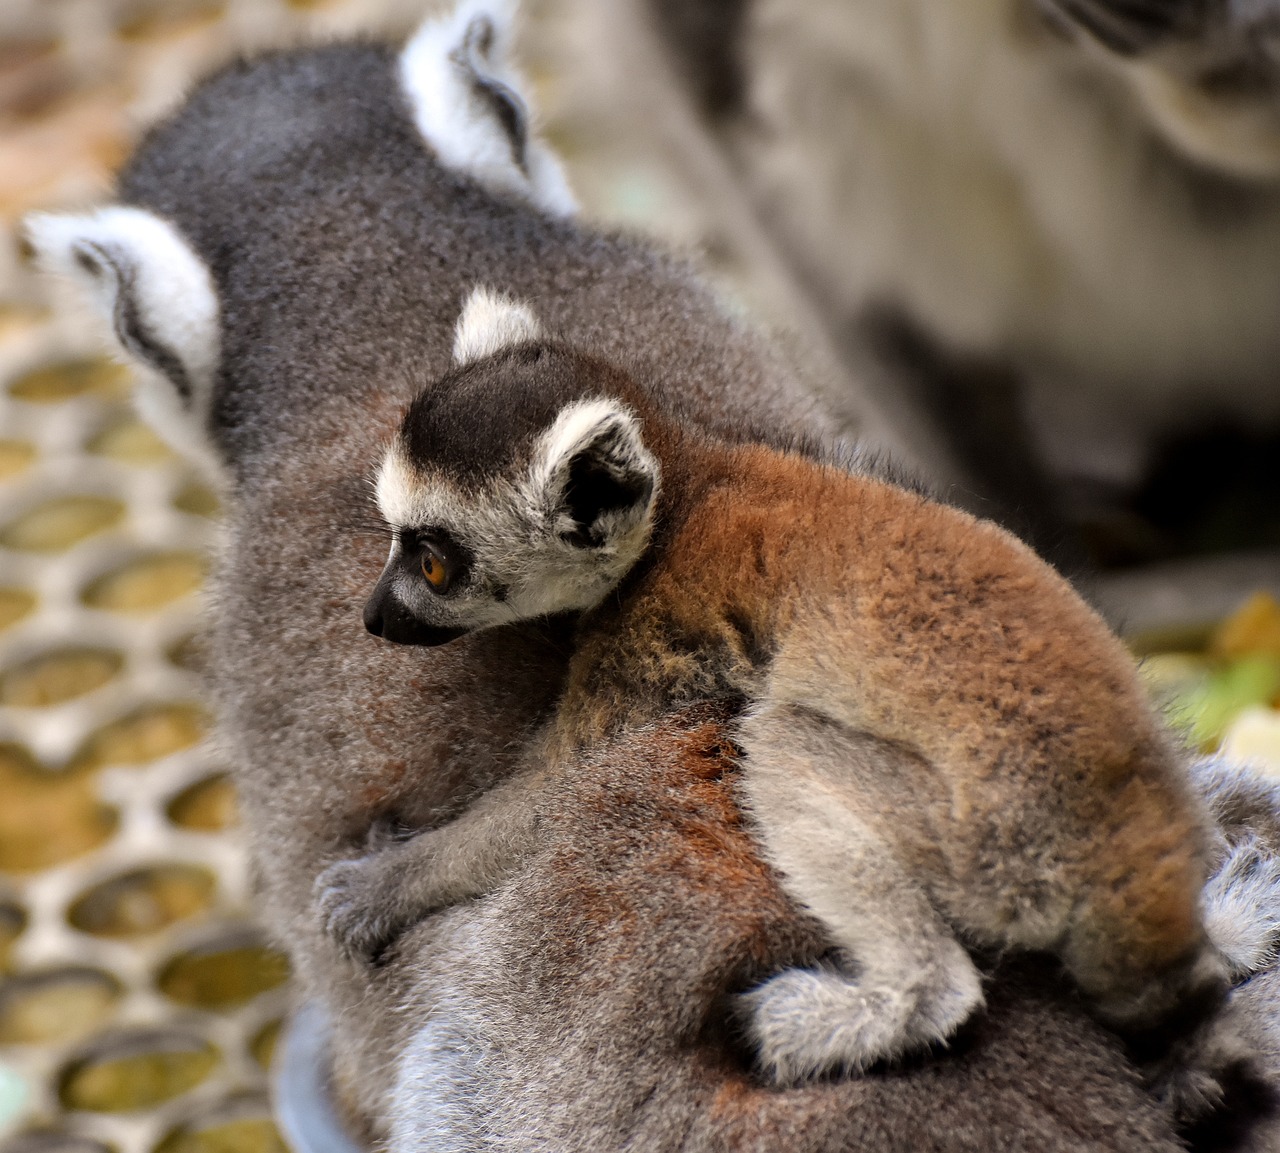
<point>517,486</point>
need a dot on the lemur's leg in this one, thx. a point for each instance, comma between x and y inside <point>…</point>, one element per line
<point>907,982</point>
<point>366,902</point>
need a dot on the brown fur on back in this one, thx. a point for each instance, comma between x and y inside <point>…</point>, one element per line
<point>1050,799</point>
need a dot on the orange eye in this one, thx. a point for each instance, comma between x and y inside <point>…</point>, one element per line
<point>435,568</point>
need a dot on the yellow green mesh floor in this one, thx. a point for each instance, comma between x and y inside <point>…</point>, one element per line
<point>140,1003</point>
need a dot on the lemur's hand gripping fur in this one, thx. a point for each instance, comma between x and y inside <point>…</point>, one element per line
<point>366,902</point>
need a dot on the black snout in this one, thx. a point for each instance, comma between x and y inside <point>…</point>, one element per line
<point>386,617</point>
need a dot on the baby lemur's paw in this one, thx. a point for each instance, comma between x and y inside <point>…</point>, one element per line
<point>806,1023</point>
<point>357,901</point>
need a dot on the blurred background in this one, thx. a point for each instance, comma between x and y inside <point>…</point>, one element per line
<point>139,1003</point>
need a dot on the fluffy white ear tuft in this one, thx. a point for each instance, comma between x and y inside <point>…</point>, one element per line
<point>598,479</point>
<point>490,323</point>
<point>158,302</point>
<point>469,103</point>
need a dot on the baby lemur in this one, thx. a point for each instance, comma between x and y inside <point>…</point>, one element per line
<point>939,737</point>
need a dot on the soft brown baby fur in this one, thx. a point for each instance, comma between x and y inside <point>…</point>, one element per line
<point>940,737</point>
<point>893,615</point>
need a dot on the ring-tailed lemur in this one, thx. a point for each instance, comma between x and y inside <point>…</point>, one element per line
<point>1054,224</point>
<point>286,267</point>
<point>940,737</point>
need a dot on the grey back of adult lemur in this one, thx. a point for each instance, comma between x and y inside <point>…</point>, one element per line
<point>608,1032</point>
<point>340,249</point>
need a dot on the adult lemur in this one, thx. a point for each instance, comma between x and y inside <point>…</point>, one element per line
<point>1054,223</point>
<point>286,265</point>
<point>938,731</point>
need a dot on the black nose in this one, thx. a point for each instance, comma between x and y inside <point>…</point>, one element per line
<point>386,617</point>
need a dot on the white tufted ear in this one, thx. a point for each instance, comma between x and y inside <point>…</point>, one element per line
<point>469,103</point>
<point>158,301</point>
<point>592,472</point>
<point>489,323</point>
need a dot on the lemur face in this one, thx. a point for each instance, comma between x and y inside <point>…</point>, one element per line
<point>516,487</point>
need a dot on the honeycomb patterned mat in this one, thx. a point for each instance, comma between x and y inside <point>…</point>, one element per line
<point>139,1003</point>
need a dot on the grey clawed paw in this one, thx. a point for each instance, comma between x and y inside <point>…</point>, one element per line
<point>1199,1073</point>
<point>352,902</point>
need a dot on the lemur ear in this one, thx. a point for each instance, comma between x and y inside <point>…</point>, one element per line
<point>489,323</point>
<point>469,102</point>
<point>600,480</point>
<point>156,297</point>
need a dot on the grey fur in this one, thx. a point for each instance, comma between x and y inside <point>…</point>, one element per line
<point>1240,899</point>
<point>820,795</point>
<point>341,253</point>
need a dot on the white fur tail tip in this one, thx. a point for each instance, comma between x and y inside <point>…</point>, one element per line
<point>471,105</point>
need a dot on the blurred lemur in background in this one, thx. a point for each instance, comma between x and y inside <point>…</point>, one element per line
<point>1046,232</point>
